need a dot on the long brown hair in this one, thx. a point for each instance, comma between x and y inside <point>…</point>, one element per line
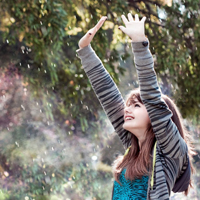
<point>138,161</point>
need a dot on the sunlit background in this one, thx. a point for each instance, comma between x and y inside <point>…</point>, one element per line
<point>55,140</point>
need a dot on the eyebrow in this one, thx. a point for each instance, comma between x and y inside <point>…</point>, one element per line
<point>133,101</point>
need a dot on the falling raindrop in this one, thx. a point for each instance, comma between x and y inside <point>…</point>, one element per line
<point>17,143</point>
<point>94,158</point>
<point>22,107</point>
<point>41,22</point>
<point>28,66</point>
<point>7,41</point>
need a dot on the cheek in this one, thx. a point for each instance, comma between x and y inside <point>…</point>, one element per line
<point>146,117</point>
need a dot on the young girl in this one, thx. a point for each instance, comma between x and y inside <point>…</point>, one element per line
<point>157,158</point>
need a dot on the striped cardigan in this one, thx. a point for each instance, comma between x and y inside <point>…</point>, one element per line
<point>171,150</point>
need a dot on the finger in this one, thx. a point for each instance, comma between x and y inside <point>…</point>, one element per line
<point>130,17</point>
<point>143,19</point>
<point>124,19</point>
<point>122,28</point>
<point>100,23</point>
<point>136,17</point>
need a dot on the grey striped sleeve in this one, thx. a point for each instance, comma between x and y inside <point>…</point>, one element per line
<point>106,91</point>
<point>166,132</point>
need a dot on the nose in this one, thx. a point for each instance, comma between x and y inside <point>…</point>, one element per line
<point>126,109</point>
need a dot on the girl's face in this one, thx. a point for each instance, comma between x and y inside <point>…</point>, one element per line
<point>136,118</point>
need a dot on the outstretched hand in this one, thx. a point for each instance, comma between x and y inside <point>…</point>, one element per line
<point>134,29</point>
<point>87,38</point>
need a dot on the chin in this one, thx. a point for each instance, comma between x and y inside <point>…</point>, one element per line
<point>125,127</point>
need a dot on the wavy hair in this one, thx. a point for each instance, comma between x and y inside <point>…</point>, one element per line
<point>138,161</point>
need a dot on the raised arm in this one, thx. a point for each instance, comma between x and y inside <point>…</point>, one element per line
<point>103,84</point>
<point>168,137</point>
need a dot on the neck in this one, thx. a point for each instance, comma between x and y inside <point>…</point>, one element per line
<point>141,136</point>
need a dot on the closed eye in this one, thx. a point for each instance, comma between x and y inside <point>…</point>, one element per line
<point>137,105</point>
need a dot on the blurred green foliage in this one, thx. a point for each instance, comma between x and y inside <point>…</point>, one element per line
<point>51,129</point>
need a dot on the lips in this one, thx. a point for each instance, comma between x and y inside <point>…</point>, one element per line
<point>128,117</point>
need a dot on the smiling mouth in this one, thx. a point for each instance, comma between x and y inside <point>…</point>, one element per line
<point>129,118</point>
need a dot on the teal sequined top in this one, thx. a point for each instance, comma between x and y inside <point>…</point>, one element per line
<point>130,190</point>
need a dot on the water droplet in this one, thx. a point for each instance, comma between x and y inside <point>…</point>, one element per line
<point>17,143</point>
<point>22,107</point>
<point>94,158</point>
<point>7,41</point>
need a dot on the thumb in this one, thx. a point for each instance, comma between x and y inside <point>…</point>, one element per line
<point>122,28</point>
